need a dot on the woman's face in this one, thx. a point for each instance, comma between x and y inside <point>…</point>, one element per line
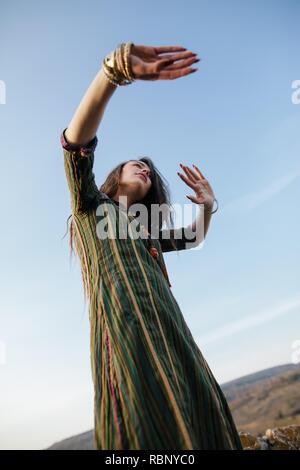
<point>136,176</point>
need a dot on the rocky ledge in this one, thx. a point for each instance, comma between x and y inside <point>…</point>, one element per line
<point>282,438</point>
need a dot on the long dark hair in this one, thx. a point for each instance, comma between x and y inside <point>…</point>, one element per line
<point>157,194</point>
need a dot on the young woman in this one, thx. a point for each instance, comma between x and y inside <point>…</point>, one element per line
<point>153,388</point>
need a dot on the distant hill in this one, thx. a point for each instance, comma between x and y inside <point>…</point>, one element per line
<point>83,441</point>
<point>265,399</point>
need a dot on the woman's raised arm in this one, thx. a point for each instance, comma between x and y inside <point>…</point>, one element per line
<point>147,63</point>
<point>85,122</point>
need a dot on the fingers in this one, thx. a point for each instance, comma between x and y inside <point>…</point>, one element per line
<point>163,64</point>
<point>195,176</point>
<point>187,181</point>
<point>179,55</point>
<point>198,171</point>
<point>181,64</point>
<point>165,69</point>
<point>172,74</point>
<point>190,173</point>
<point>161,49</point>
<point>170,71</point>
<point>193,199</point>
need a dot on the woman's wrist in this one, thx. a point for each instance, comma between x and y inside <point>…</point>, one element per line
<point>208,209</point>
<point>117,65</point>
<point>110,84</point>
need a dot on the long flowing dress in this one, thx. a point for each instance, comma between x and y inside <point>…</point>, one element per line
<point>153,389</point>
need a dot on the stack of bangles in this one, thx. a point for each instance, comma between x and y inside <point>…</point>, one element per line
<point>212,212</point>
<point>117,66</point>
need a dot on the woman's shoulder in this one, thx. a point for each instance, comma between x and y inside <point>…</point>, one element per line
<point>103,196</point>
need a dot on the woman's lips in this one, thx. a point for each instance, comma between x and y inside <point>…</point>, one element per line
<point>143,176</point>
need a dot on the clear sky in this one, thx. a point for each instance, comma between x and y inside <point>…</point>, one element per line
<point>234,118</point>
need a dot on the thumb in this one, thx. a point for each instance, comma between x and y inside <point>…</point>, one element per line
<point>166,61</point>
<point>193,199</point>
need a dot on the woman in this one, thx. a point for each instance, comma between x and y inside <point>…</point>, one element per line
<point>153,388</point>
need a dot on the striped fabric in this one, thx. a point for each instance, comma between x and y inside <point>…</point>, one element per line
<point>153,388</point>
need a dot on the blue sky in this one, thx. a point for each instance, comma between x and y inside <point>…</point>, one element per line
<point>234,118</point>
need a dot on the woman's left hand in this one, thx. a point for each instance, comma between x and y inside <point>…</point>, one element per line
<point>202,188</point>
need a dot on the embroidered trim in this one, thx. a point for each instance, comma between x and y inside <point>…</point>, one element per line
<point>89,148</point>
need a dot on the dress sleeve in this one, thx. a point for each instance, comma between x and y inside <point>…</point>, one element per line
<point>78,163</point>
<point>180,241</point>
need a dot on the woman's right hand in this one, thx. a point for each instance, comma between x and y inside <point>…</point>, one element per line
<point>147,63</point>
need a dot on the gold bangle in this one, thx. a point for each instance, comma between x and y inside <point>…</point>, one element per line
<point>127,61</point>
<point>117,67</point>
<point>117,72</point>
<point>113,74</point>
<point>107,68</point>
<point>122,61</point>
<point>108,73</point>
<point>109,60</point>
<point>110,70</point>
<point>110,80</point>
<point>122,54</point>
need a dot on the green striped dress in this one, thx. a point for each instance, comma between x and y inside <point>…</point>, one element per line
<point>153,388</point>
